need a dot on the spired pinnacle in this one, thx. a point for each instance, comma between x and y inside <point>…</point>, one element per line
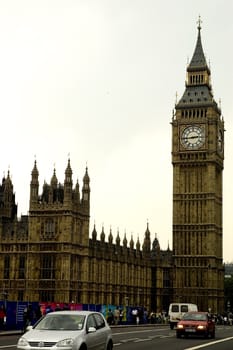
<point>199,23</point>
<point>198,60</point>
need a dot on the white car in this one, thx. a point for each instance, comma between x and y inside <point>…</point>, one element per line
<point>68,330</point>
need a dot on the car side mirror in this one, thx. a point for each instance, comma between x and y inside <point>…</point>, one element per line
<point>91,330</point>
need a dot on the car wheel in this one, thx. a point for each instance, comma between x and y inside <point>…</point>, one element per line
<point>110,346</point>
<point>213,334</point>
<point>171,325</point>
<point>178,335</point>
<point>83,347</point>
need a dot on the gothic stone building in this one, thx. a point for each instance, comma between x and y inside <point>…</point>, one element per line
<point>49,255</point>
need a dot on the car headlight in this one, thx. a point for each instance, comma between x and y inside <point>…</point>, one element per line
<point>65,342</point>
<point>201,327</point>
<point>180,326</point>
<point>22,342</point>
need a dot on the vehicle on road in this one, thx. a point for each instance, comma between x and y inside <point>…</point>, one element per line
<point>68,330</point>
<point>196,324</point>
<point>177,310</point>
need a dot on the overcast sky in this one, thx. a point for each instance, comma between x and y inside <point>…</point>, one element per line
<point>97,81</point>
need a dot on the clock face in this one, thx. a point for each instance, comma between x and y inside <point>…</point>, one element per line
<point>193,137</point>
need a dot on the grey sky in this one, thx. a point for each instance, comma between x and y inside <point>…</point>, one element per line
<point>98,80</point>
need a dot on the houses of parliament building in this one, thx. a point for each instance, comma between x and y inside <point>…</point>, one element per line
<point>52,254</point>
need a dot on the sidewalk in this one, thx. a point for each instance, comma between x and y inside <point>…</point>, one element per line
<point>16,331</point>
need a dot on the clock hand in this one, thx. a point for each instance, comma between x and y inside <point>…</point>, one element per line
<point>190,137</point>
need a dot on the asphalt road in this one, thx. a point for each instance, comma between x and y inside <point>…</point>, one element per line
<point>151,338</point>
<point>165,339</point>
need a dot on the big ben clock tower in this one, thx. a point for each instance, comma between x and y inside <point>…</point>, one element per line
<point>197,158</point>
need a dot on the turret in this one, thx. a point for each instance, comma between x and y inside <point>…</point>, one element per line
<point>131,243</point>
<point>118,240</point>
<point>68,183</point>
<point>94,234</point>
<point>77,193</point>
<point>138,246</point>
<point>155,247</point>
<point>102,235</point>
<point>8,208</point>
<point>54,181</point>
<point>110,237</point>
<point>86,191</point>
<point>8,190</point>
<point>34,186</point>
<point>147,242</point>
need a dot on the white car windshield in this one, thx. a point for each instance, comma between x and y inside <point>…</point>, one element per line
<point>61,322</point>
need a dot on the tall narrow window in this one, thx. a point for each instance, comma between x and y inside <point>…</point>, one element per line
<point>7,267</point>
<point>22,267</point>
<point>47,267</point>
<point>166,278</point>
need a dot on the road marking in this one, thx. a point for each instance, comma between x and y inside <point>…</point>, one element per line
<point>209,344</point>
<point>129,339</point>
<point>137,340</point>
<point>141,331</point>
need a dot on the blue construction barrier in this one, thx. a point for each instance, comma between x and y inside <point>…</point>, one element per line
<point>15,312</point>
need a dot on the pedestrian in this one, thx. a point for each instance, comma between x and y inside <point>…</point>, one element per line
<point>48,309</point>
<point>38,313</point>
<point>116,315</point>
<point>66,306</point>
<point>57,308</point>
<point>135,316</point>
<point>27,317</point>
<point>121,316</point>
<point>2,317</point>
<point>152,317</point>
<point>110,317</point>
<point>145,316</point>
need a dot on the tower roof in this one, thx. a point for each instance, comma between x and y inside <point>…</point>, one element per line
<point>35,171</point>
<point>68,171</point>
<point>198,60</point>
<point>198,90</point>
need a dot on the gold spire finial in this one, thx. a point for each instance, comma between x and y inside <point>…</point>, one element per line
<point>199,22</point>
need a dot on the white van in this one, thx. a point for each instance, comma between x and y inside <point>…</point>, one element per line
<point>177,310</point>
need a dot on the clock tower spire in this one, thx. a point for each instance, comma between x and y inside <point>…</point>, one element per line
<point>197,159</point>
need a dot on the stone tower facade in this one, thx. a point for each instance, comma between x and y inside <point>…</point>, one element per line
<point>58,237</point>
<point>197,158</point>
